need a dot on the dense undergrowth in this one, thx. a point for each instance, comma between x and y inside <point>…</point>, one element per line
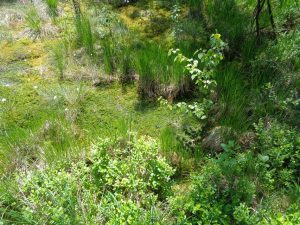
<point>149,112</point>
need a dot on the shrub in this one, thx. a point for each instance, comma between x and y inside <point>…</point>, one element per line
<point>221,186</point>
<point>279,146</point>
<point>202,71</point>
<point>140,156</point>
<point>120,183</point>
<point>243,215</point>
<point>277,69</point>
<point>200,204</point>
<point>228,187</point>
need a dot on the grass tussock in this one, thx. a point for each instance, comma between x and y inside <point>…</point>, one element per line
<point>85,34</point>
<point>52,7</point>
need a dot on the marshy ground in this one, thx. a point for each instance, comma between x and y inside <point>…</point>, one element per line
<point>107,116</point>
<point>34,101</point>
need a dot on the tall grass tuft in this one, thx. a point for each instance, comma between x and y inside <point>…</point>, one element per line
<point>145,66</point>
<point>85,34</point>
<point>108,57</point>
<point>58,58</point>
<point>125,67</point>
<point>158,74</point>
<point>52,7</point>
<point>124,60</point>
<point>234,99</point>
<point>33,22</point>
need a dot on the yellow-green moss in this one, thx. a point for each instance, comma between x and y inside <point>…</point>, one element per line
<point>23,49</point>
<point>142,23</point>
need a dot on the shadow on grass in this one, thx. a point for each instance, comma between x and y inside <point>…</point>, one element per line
<point>144,105</point>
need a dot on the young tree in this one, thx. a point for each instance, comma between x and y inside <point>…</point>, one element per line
<point>259,7</point>
<point>201,68</point>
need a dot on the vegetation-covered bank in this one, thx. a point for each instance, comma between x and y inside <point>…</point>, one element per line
<point>149,112</point>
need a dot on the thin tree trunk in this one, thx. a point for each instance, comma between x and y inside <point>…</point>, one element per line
<point>271,17</point>
<point>259,7</point>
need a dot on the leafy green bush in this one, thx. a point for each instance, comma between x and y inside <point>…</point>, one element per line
<point>243,215</point>
<point>202,71</point>
<point>292,216</point>
<point>120,183</point>
<point>279,146</point>
<point>140,156</point>
<point>221,186</point>
<point>202,68</point>
<point>277,68</point>
<point>229,186</point>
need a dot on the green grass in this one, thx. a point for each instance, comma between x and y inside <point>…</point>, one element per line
<point>85,33</point>
<point>108,57</point>
<point>58,120</point>
<point>107,110</point>
<point>45,118</point>
<point>155,67</point>
<point>33,21</point>
<point>125,65</point>
<point>234,98</point>
<point>232,19</point>
<point>52,7</point>
<point>58,58</point>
